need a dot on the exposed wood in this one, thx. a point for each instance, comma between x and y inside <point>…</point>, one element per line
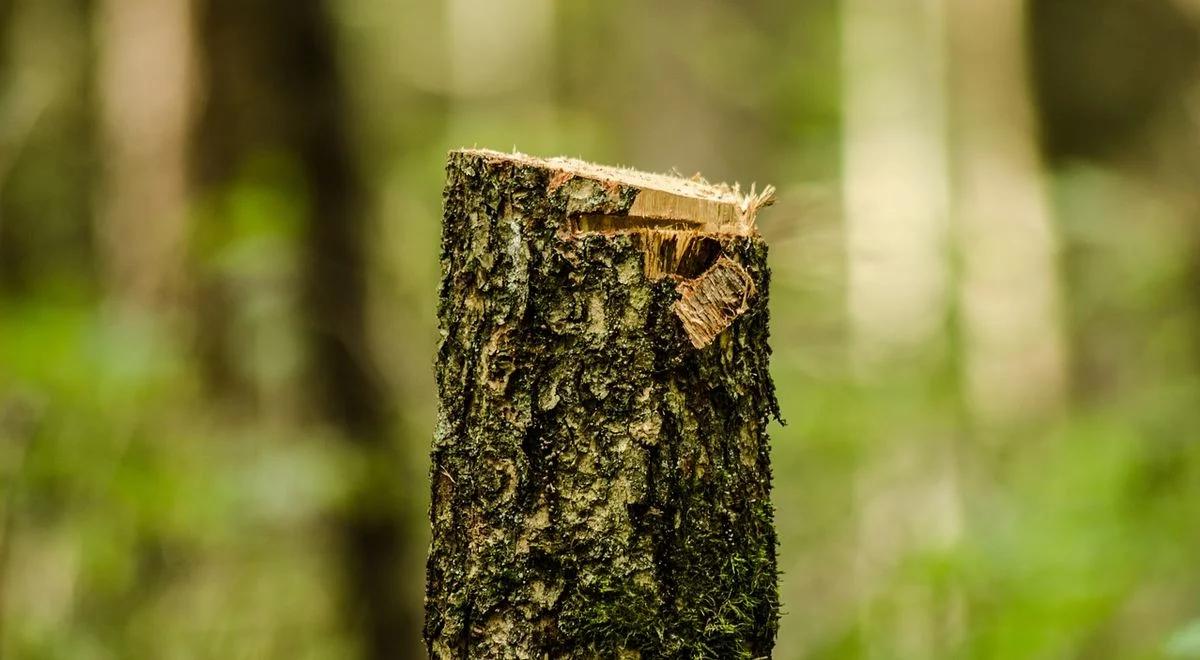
<point>713,301</point>
<point>601,486</point>
<point>710,208</point>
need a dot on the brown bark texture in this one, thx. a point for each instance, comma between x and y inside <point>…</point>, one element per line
<point>600,469</point>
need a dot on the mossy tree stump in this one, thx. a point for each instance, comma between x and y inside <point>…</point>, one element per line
<point>601,470</point>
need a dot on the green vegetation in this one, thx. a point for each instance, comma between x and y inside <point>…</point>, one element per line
<point>183,473</point>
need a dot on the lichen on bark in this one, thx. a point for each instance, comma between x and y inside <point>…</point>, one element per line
<point>601,487</point>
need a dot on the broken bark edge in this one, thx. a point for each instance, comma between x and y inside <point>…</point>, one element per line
<point>711,303</point>
<point>669,217</point>
<point>718,208</point>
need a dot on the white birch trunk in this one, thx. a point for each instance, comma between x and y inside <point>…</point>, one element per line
<point>897,199</point>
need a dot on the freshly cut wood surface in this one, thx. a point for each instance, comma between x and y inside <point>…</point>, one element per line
<point>708,207</point>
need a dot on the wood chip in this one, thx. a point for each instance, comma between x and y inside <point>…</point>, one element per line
<point>712,302</point>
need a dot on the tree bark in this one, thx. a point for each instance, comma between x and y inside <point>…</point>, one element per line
<point>601,469</point>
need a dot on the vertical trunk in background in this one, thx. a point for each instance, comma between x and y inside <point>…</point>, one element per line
<point>9,148</point>
<point>8,141</point>
<point>47,145</point>
<point>895,175</point>
<point>896,192</point>
<point>273,87</point>
<point>1009,295</point>
<point>145,85</point>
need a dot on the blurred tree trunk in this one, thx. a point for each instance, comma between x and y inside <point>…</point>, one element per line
<point>11,139</point>
<point>47,144</point>
<point>601,468</point>
<point>273,87</point>
<point>896,182</point>
<point>145,90</point>
<point>8,146</point>
<point>897,201</point>
<point>1009,295</point>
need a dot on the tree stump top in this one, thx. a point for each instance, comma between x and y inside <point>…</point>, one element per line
<point>663,201</point>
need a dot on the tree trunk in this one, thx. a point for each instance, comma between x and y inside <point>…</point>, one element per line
<point>279,91</point>
<point>145,89</point>
<point>48,150</point>
<point>897,192</point>
<point>601,469</point>
<point>896,179</point>
<point>1014,358</point>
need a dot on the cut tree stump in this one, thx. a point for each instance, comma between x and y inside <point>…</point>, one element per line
<point>601,469</point>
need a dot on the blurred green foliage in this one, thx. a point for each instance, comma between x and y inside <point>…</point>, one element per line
<point>143,515</point>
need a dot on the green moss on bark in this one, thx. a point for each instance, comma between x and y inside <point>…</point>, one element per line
<point>601,488</point>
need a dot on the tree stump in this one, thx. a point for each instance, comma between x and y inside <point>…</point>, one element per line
<point>601,468</point>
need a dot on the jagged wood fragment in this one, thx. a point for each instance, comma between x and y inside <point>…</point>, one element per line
<point>710,303</point>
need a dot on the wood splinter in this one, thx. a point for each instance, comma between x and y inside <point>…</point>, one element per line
<point>712,302</point>
<point>673,219</point>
